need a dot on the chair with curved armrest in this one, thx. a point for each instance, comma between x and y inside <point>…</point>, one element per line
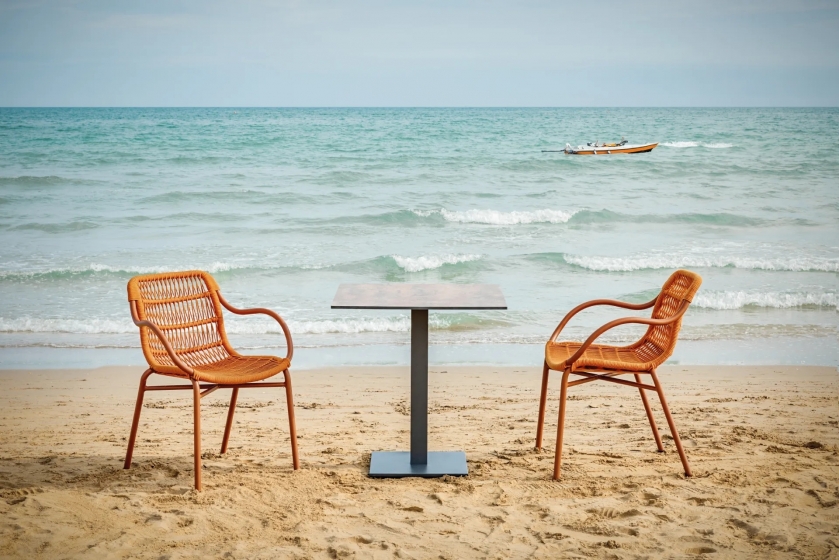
<point>182,335</point>
<point>599,362</point>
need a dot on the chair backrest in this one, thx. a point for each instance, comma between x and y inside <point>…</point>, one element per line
<point>659,341</point>
<point>185,306</point>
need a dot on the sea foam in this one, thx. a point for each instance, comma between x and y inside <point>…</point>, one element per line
<point>690,144</point>
<point>97,268</point>
<point>498,218</point>
<point>658,261</point>
<point>75,326</point>
<point>777,300</point>
<point>235,326</point>
<point>409,264</point>
<point>680,144</point>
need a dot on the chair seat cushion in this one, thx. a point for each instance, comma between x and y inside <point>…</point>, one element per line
<point>596,356</point>
<point>234,369</point>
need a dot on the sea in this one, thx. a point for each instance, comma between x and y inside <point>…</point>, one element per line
<point>282,205</point>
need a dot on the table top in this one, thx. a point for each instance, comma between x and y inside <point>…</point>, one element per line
<point>419,296</point>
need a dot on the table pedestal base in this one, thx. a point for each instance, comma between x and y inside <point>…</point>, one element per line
<point>397,464</point>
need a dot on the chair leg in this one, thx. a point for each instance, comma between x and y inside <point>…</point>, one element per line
<point>672,424</point>
<point>196,397</point>
<point>292,427</point>
<point>229,424</point>
<point>138,408</point>
<point>540,423</point>
<point>561,423</point>
<point>656,435</point>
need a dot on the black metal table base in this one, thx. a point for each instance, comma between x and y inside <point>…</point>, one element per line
<point>397,464</point>
<point>419,298</point>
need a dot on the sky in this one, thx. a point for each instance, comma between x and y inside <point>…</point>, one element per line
<point>384,53</point>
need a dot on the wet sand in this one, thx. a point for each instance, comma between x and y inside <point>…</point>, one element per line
<point>763,443</point>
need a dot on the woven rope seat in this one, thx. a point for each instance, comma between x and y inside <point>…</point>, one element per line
<point>601,362</point>
<point>237,369</point>
<point>182,335</point>
<point>598,356</point>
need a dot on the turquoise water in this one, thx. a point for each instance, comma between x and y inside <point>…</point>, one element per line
<point>282,205</point>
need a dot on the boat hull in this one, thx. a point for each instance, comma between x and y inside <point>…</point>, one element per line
<point>606,150</point>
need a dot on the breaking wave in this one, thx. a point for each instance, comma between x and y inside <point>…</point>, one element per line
<point>74,326</point>
<point>95,268</point>
<point>778,300</point>
<point>498,218</point>
<point>409,264</point>
<point>642,262</point>
<point>257,326</point>
<point>385,263</point>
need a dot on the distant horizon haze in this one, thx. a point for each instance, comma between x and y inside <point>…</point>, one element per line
<point>460,53</point>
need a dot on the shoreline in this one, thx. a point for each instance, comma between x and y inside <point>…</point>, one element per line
<point>810,351</point>
<point>705,369</point>
<point>762,442</point>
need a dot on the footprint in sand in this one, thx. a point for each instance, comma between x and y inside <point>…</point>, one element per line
<point>18,496</point>
<point>700,550</point>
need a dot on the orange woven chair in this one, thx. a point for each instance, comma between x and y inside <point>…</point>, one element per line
<point>182,335</point>
<point>598,362</point>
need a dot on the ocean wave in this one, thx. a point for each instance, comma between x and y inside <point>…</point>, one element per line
<point>608,216</point>
<point>385,263</point>
<point>498,218</point>
<point>212,268</point>
<point>395,218</point>
<point>71,346</point>
<point>413,218</point>
<point>71,326</point>
<point>680,144</point>
<point>778,300</point>
<point>418,264</point>
<point>348,326</point>
<point>31,180</point>
<point>67,227</point>
<point>586,216</point>
<point>234,327</point>
<point>691,144</point>
<point>749,331</point>
<point>97,268</point>
<point>256,326</point>
<point>671,261</point>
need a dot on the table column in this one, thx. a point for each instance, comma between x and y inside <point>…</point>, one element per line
<point>419,386</point>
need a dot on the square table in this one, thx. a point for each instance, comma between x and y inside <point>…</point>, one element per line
<point>419,298</point>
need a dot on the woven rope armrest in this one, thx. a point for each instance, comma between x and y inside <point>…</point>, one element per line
<point>625,321</point>
<point>263,311</point>
<point>592,303</point>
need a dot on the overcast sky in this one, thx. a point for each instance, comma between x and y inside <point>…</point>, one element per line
<point>419,53</point>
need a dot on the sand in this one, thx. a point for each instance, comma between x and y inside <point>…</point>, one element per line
<point>763,443</point>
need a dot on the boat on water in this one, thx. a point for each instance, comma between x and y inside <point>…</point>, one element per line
<point>598,149</point>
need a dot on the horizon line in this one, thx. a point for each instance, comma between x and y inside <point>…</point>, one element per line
<point>419,106</point>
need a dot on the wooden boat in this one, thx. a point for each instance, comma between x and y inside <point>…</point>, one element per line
<point>622,147</point>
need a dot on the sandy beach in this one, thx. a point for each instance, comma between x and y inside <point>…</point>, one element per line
<point>763,443</point>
